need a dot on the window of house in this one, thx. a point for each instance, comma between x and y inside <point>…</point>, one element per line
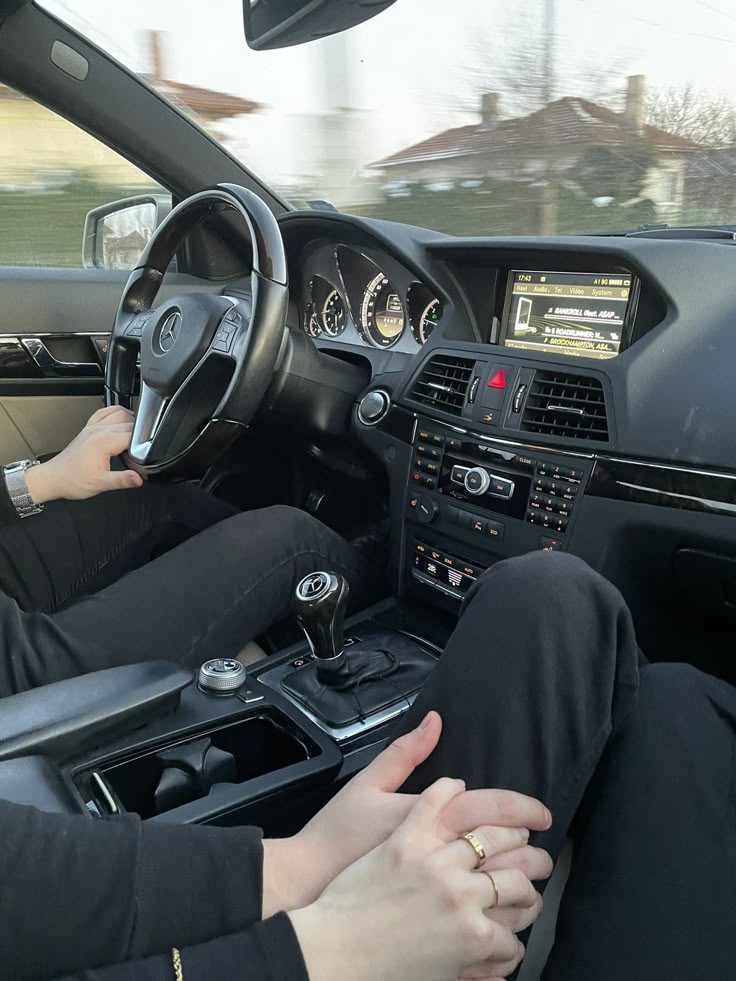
<point>51,175</point>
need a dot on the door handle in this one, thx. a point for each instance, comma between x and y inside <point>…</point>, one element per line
<point>53,368</point>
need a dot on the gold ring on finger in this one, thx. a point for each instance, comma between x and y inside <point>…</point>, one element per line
<point>476,845</point>
<point>497,898</point>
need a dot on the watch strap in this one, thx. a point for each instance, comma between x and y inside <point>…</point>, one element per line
<point>17,485</point>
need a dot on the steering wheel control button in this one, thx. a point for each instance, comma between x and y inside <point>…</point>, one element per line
<point>477,481</point>
<point>373,407</point>
<point>221,676</point>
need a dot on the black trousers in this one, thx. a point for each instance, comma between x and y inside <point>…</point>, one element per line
<point>164,571</point>
<point>541,690</point>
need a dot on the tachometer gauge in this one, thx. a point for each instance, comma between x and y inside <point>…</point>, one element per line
<point>425,310</point>
<point>381,313</point>
<point>311,323</point>
<point>333,315</point>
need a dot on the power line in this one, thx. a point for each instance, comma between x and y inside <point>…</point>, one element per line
<point>715,10</point>
<point>687,34</point>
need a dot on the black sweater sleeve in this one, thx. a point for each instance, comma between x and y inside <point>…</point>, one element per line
<point>8,514</point>
<point>269,951</point>
<point>81,893</point>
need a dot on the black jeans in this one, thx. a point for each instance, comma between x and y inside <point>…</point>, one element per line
<point>541,691</point>
<point>164,571</point>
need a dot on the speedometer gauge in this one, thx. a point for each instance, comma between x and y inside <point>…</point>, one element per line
<point>333,315</point>
<point>425,310</point>
<point>382,318</point>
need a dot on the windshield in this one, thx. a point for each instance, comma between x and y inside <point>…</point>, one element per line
<point>468,117</point>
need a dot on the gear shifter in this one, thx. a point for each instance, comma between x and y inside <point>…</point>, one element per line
<point>384,668</point>
<point>321,601</point>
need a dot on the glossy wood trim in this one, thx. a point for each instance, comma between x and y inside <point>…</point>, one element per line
<point>664,486</point>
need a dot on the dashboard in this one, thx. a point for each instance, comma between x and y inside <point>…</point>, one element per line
<point>572,394</point>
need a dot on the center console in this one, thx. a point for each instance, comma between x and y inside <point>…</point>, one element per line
<point>472,500</point>
<point>264,745</point>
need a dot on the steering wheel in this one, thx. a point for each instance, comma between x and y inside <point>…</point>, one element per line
<point>206,361</point>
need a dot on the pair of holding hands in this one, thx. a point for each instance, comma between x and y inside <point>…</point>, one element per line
<point>381,886</point>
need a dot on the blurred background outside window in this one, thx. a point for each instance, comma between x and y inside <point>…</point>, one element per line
<point>470,117</point>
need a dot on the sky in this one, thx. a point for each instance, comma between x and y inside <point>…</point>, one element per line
<point>411,71</point>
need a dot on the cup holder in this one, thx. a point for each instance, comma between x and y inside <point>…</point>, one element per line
<point>162,779</point>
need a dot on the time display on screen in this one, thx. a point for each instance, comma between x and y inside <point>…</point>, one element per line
<point>578,314</point>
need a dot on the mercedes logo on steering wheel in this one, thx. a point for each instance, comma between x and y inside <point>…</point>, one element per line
<point>169,331</point>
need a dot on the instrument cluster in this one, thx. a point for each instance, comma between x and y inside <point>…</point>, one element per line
<point>354,297</point>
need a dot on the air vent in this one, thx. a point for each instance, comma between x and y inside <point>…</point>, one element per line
<point>443,383</point>
<point>566,405</point>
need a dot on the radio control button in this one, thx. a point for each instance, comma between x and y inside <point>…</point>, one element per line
<point>525,462</point>
<point>549,544</point>
<point>477,481</point>
<point>501,487</point>
<point>430,466</point>
<point>495,529</point>
<point>433,452</point>
<point>479,526</point>
<point>453,444</point>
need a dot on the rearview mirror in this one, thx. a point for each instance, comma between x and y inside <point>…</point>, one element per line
<point>115,234</point>
<point>282,23</point>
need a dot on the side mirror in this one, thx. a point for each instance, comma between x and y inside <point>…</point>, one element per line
<point>281,23</point>
<point>115,234</point>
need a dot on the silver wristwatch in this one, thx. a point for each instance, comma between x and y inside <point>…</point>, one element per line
<point>15,481</point>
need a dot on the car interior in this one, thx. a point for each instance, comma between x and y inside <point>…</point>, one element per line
<point>399,384</point>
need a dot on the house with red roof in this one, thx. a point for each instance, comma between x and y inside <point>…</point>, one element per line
<point>585,148</point>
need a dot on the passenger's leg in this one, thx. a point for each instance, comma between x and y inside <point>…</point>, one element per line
<point>541,668</point>
<point>652,891</point>
<point>205,598</point>
<point>78,547</point>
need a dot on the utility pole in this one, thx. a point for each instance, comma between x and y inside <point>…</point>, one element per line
<point>548,66</point>
<point>548,216</point>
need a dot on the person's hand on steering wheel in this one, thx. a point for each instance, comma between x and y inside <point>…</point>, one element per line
<point>83,470</point>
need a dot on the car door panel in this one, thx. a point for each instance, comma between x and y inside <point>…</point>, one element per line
<point>54,325</point>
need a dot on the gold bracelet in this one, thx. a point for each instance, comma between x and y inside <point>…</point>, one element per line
<point>176,958</point>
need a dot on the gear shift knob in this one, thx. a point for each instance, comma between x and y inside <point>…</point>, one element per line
<point>321,601</point>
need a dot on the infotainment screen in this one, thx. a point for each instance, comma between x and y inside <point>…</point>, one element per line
<point>581,314</point>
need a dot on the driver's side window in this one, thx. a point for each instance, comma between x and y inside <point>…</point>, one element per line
<point>52,175</point>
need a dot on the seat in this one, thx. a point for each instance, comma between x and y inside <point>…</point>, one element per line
<point>542,936</point>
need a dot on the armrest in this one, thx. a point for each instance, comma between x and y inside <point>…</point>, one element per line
<point>62,719</point>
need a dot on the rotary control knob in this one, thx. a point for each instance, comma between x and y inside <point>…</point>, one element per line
<point>477,481</point>
<point>221,676</point>
<point>423,509</point>
<point>373,407</point>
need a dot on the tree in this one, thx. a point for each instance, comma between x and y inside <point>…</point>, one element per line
<point>687,111</point>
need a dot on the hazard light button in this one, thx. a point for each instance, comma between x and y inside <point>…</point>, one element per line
<point>499,381</point>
